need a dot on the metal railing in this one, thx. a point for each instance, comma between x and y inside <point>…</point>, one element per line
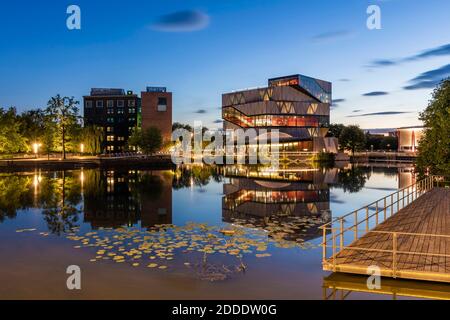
<point>338,231</point>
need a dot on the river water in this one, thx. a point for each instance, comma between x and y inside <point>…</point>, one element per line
<point>190,233</point>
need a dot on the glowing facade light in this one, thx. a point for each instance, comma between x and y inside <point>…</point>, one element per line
<point>36,147</point>
<point>82,148</point>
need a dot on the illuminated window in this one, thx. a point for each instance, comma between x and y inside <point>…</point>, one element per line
<point>110,111</point>
<point>110,138</point>
<point>132,110</point>
<point>109,129</point>
<point>162,104</point>
<point>120,110</point>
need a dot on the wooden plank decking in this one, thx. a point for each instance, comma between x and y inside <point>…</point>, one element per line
<point>428,215</point>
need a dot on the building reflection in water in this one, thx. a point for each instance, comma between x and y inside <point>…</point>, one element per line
<point>122,197</point>
<point>406,177</point>
<point>118,198</point>
<point>300,201</point>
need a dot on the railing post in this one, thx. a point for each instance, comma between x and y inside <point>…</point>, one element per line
<point>356,225</point>
<point>417,190</point>
<point>407,196</point>
<point>367,219</point>
<point>398,201</point>
<point>385,209</point>
<point>342,234</point>
<point>324,244</point>
<point>392,205</point>
<point>376,214</point>
<point>403,198</point>
<point>394,255</point>
<point>334,248</point>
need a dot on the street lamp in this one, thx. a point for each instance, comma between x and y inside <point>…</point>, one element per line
<point>82,148</point>
<point>36,147</point>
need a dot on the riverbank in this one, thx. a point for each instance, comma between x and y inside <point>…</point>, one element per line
<point>152,162</point>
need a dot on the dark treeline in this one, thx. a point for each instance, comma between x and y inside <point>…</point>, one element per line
<point>352,138</point>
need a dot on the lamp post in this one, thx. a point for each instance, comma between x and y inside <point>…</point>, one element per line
<point>36,147</point>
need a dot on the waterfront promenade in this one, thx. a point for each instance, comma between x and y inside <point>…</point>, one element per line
<point>156,161</point>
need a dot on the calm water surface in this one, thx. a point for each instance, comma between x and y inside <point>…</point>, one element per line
<point>191,233</point>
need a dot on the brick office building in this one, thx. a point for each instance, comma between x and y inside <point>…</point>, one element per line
<point>117,112</point>
<point>157,110</point>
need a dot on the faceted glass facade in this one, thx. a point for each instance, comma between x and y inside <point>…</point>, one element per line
<point>298,106</point>
<point>235,116</point>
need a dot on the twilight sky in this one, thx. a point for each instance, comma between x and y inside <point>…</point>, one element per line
<point>201,49</point>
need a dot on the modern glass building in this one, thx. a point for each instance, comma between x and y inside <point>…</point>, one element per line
<point>298,106</point>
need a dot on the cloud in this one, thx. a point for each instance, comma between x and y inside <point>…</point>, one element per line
<point>429,79</point>
<point>200,111</point>
<point>331,35</point>
<point>182,21</point>
<point>356,111</point>
<point>375,94</point>
<point>434,52</point>
<point>383,63</point>
<point>344,80</point>
<point>336,102</point>
<point>218,121</point>
<point>443,50</point>
<point>384,113</point>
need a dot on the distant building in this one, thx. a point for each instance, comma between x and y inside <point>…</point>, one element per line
<point>117,112</point>
<point>298,106</point>
<point>408,138</point>
<point>157,110</point>
<point>382,132</point>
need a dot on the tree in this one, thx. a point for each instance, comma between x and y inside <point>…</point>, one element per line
<point>178,125</point>
<point>49,136</point>
<point>32,124</point>
<point>148,141</point>
<point>64,112</point>
<point>381,142</point>
<point>92,137</point>
<point>11,139</point>
<point>352,138</point>
<point>335,130</point>
<point>434,147</point>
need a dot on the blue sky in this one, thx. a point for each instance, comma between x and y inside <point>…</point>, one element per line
<point>201,49</point>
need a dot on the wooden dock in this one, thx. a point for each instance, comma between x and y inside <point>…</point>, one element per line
<point>408,236</point>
